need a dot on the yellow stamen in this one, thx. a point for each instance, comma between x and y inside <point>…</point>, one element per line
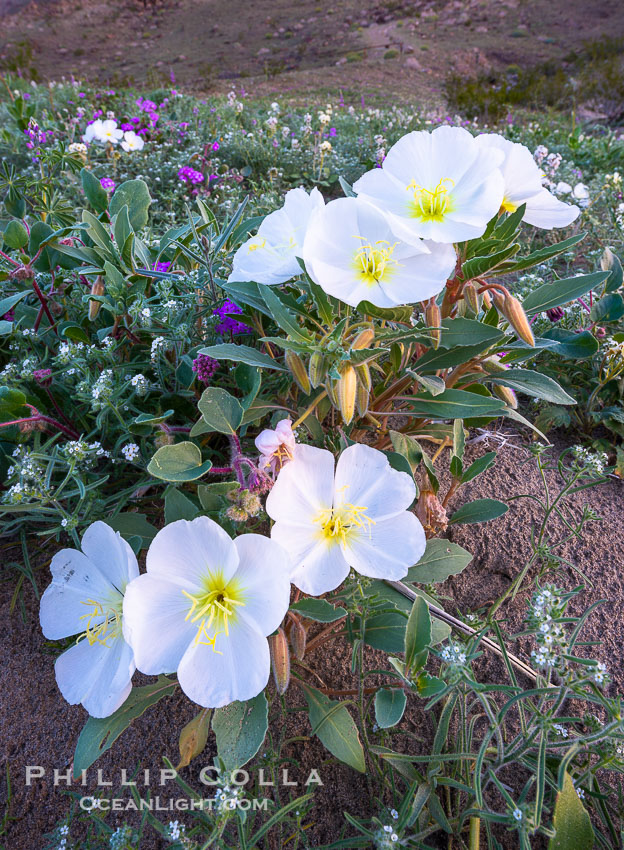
<point>431,204</point>
<point>509,206</point>
<point>259,244</point>
<point>338,523</point>
<point>374,261</point>
<point>214,606</point>
<point>101,632</point>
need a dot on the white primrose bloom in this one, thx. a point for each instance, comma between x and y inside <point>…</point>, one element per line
<point>439,185</point>
<point>356,517</point>
<point>276,447</point>
<point>351,252</point>
<point>86,599</point>
<point>132,142</point>
<point>103,131</point>
<point>523,185</point>
<point>270,257</point>
<point>205,607</point>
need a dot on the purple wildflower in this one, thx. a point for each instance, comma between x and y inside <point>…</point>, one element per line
<point>43,377</point>
<point>9,316</point>
<point>215,146</point>
<point>162,267</point>
<point>188,175</point>
<point>227,325</point>
<point>108,184</point>
<point>555,314</point>
<point>205,367</point>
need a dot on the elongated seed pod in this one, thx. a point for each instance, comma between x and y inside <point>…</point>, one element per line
<point>97,288</point>
<point>514,312</point>
<point>433,318</point>
<point>330,386</point>
<point>317,368</point>
<point>362,396</point>
<point>280,660</point>
<point>346,389</point>
<point>506,394</point>
<point>364,375</point>
<point>470,297</point>
<point>487,300</point>
<point>298,638</point>
<point>298,371</point>
<point>363,339</point>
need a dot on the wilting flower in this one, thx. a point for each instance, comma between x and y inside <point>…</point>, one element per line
<point>103,131</point>
<point>276,447</point>
<point>132,142</point>
<point>270,257</point>
<point>205,607</point>
<point>86,599</point>
<point>356,517</point>
<point>351,252</point>
<point>523,185</point>
<point>439,185</point>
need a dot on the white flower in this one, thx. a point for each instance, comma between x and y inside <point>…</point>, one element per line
<point>130,452</point>
<point>277,446</point>
<point>356,517</point>
<point>351,252</point>
<point>562,188</point>
<point>204,608</point>
<point>523,185</point>
<point>439,185</point>
<point>103,131</point>
<point>132,142</point>
<point>581,193</point>
<point>270,257</point>
<point>85,599</point>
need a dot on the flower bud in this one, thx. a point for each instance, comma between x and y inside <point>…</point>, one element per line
<point>506,394</point>
<point>330,386</point>
<point>363,339</point>
<point>298,371</point>
<point>97,288</point>
<point>316,368</point>
<point>487,300</point>
<point>433,318</point>
<point>555,314</point>
<point>362,397</point>
<point>346,389</point>
<point>364,375</point>
<point>298,638</point>
<point>280,660</point>
<point>514,312</point>
<point>470,297</point>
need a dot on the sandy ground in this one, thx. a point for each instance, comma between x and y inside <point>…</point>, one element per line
<point>38,727</point>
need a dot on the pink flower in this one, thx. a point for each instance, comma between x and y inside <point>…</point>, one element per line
<point>276,447</point>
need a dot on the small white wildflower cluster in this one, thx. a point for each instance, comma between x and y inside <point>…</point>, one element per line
<point>131,452</point>
<point>123,837</point>
<point>175,830</point>
<point>68,351</point>
<point>83,454</point>
<point>61,838</point>
<point>159,345</point>
<point>560,730</point>
<point>30,475</point>
<point>545,609</point>
<point>599,674</point>
<point>226,798</point>
<point>613,353</point>
<point>102,390</point>
<point>234,102</point>
<point>140,384</point>
<point>454,654</point>
<point>593,463</point>
<point>517,814</point>
<point>386,835</point>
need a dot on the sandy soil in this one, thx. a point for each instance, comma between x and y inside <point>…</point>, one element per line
<point>398,49</point>
<point>38,727</point>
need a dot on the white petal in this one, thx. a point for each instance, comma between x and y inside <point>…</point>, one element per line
<point>110,553</point>
<point>304,487</point>
<point>364,478</point>
<point>264,574</point>
<point>324,569</point>
<point>239,670</point>
<point>96,676</point>
<point>154,624</point>
<point>75,580</point>
<point>388,548</point>
<point>545,211</point>
<point>183,552</point>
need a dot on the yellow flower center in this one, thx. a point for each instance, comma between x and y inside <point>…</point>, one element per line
<point>259,244</point>
<point>509,206</point>
<point>108,625</point>
<point>214,606</point>
<point>374,261</point>
<point>338,523</point>
<point>431,204</point>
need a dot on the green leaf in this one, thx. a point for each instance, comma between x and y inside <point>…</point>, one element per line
<point>15,235</point>
<point>93,190</point>
<point>478,467</point>
<point>479,510</point>
<point>441,358</point>
<point>609,262</point>
<point>543,254</point>
<point>467,332</point>
<point>178,506</point>
<point>561,292</point>
<point>431,383</point>
<point>193,737</point>
<point>130,524</point>
<point>99,734</point>
<point>441,560</point>
<point>389,706</point>
<point>573,829</point>
<point>428,686</point>
<point>334,726</point>
<point>454,404</point>
<point>220,410</point>
<point>179,462</point>
<point>417,635</point>
<point>609,308</point>
<point>145,422</point>
<point>12,404</point>
<point>532,383</point>
<point>242,354</point>
<point>478,266</point>
<point>572,346</point>
<point>10,301</point>
<point>402,315</point>
<point>213,497</point>
<point>323,304</point>
<point>318,609</point>
<point>282,316</point>
<point>240,728</point>
<point>135,195</point>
